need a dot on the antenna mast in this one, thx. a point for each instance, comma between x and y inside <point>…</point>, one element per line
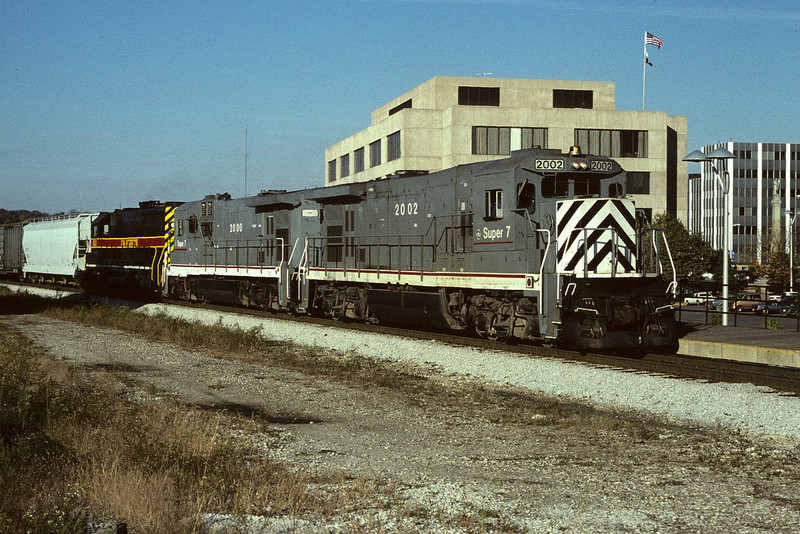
<point>246,154</point>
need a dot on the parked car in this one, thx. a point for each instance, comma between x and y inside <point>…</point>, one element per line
<point>700,297</point>
<point>747,302</point>
<point>744,302</point>
<point>782,307</point>
<point>718,304</point>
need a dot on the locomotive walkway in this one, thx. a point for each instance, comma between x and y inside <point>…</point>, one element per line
<point>742,343</point>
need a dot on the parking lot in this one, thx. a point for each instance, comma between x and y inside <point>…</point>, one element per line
<point>707,314</point>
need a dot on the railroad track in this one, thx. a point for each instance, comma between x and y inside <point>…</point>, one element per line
<point>782,379</point>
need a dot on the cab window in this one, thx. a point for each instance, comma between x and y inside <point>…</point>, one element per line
<point>555,186</point>
<point>493,204</point>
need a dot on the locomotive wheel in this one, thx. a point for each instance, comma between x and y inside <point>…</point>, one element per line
<point>484,327</point>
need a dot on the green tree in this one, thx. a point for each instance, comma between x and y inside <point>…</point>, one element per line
<point>778,270</point>
<point>692,256</point>
<point>757,270</point>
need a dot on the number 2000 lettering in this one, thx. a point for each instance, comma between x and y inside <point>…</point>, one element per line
<point>405,209</point>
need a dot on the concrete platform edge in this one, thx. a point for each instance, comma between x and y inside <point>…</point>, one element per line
<point>735,352</point>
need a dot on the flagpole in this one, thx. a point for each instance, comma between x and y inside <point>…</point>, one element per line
<point>644,66</point>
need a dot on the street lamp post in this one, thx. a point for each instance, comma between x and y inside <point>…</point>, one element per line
<point>717,158</point>
<point>792,217</point>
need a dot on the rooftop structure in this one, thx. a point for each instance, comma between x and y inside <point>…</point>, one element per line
<point>449,121</point>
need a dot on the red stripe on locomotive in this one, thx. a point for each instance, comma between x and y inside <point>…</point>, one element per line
<point>129,242</point>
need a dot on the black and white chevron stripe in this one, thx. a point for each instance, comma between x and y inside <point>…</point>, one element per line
<point>596,221</point>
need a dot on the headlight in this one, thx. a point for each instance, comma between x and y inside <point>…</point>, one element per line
<point>580,165</point>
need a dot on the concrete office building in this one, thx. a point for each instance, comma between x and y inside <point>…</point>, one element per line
<point>763,184</point>
<point>449,121</point>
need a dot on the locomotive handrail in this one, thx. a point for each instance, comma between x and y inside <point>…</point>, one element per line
<point>302,267</point>
<point>584,243</point>
<point>282,245</point>
<point>540,300</point>
<point>674,284</point>
<point>294,248</point>
<point>654,244</point>
<point>378,243</point>
<point>388,241</point>
<point>257,245</point>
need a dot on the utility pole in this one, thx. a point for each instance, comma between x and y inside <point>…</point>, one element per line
<point>246,155</point>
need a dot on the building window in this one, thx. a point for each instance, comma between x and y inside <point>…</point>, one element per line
<point>571,98</point>
<point>478,96</point>
<point>499,140</point>
<point>613,143</point>
<point>638,183</point>
<point>404,105</point>
<point>332,170</point>
<point>375,153</point>
<point>494,204</point>
<point>359,159</point>
<point>344,165</point>
<point>394,146</point>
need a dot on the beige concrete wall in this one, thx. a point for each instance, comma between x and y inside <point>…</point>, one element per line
<point>436,133</point>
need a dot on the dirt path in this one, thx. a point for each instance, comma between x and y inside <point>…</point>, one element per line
<point>439,462</point>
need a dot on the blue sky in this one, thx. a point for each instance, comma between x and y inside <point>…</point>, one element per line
<point>104,104</point>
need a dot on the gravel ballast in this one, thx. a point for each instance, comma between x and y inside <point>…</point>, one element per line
<point>743,407</point>
<point>699,457</point>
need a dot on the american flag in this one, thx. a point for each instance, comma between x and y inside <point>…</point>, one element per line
<point>649,38</point>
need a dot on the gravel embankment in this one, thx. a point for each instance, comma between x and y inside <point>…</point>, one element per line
<point>424,465</point>
<point>742,407</point>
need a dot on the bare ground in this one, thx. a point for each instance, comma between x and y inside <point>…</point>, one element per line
<point>452,467</point>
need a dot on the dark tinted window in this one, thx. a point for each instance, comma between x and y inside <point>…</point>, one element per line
<point>555,186</point>
<point>571,98</point>
<point>638,183</point>
<point>394,146</point>
<point>404,105</point>
<point>478,96</point>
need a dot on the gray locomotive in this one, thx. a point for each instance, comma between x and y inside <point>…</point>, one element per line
<point>542,245</point>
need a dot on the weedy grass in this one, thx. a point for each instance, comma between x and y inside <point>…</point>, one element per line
<point>73,448</point>
<point>418,385</point>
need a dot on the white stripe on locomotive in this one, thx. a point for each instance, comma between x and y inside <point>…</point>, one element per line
<point>596,237</point>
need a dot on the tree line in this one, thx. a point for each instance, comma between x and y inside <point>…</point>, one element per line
<point>15,216</point>
<point>694,257</point>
